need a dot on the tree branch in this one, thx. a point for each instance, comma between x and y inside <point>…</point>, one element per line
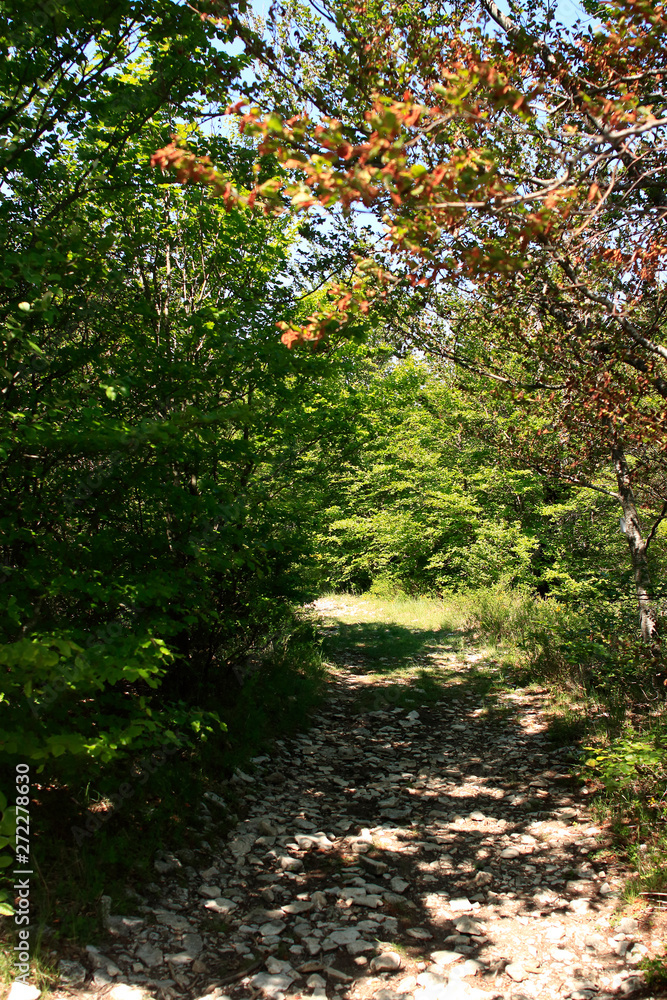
<point>656,524</point>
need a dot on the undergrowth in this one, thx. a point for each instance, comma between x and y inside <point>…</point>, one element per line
<point>86,843</point>
<point>611,697</point>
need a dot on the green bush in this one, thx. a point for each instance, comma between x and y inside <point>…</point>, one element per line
<point>634,762</point>
<point>516,616</point>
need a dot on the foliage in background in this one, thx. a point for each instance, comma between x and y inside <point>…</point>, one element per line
<point>433,504</point>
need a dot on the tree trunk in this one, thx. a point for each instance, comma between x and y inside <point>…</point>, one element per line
<point>648,620</point>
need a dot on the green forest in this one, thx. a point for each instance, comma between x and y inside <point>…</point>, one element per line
<point>356,297</point>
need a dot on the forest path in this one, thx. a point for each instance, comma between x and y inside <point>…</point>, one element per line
<point>424,840</point>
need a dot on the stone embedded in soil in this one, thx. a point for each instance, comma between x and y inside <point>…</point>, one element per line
<point>431,980</point>
<point>399,884</point>
<point>149,955</point>
<point>71,973</point>
<point>220,905</point>
<point>516,972</point>
<point>387,961</point>
<point>210,891</point>
<point>359,947</point>
<point>444,958</point>
<point>344,936</point>
<point>271,985</point>
<point>272,928</point>
<point>175,921</point>
<point>193,944</point>
<point>467,925</point>
<point>23,991</point>
<point>123,991</point>
<point>299,906</point>
<point>100,961</point>
<point>471,967</point>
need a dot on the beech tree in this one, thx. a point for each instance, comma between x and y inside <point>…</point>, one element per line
<point>513,159</point>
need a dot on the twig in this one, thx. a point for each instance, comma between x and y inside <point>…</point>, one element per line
<point>241,974</point>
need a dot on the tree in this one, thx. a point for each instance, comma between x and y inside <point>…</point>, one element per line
<point>517,161</point>
<point>152,427</point>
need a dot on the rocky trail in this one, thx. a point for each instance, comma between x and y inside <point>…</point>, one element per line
<point>433,853</point>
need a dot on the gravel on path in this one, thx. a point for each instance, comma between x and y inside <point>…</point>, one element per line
<point>431,854</point>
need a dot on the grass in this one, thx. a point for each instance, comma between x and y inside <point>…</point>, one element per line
<point>568,725</point>
<point>408,650</point>
<point>377,632</point>
<point>655,970</point>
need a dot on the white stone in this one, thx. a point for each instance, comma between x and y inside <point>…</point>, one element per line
<point>23,991</point>
<point>100,961</point>
<point>398,884</point>
<point>290,864</point>
<point>299,906</point>
<point>466,925</point>
<point>192,944</point>
<point>271,986</point>
<point>241,846</point>
<point>562,955</point>
<point>387,961</point>
<point>173,920</point>
<point>220,905</point>
<point>101,978</point>
<point>123,991</point>
<point>407,984</point>
<point>149,955</point>
<point>515,972</point>
<point>457,990</point>
<point>361,898</point>
<point>431,980</point>
<point>180,958</point>
<point>272,928</point>
<point>210,891</point>
<point>631,985</point>
<point>460,904</point>
<point>360,946</point>
<point>319,840</point>
<point>345,936</point>
<point>471,967</point>
<point>444,958</point>
<point>277,965</point>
